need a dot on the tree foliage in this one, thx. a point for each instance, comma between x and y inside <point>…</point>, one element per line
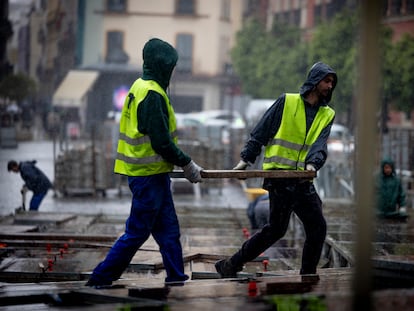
<point>402,58</point>
<point>17,87</point>
<point>335,43</point>
<point>276,61</point>
<point>268,62</point>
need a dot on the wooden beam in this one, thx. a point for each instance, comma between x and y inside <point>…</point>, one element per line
<point>57,236</point>
<point>25,277</point>
<point>244,174</point>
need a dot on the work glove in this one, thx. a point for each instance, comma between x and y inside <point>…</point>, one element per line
<point>310,167</point>
<point>241,165</point>
<point>192,172</point>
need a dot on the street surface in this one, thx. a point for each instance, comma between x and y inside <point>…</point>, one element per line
<point>212,226</point>
<point>231,194</point>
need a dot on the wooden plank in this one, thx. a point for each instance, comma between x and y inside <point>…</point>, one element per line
<point>57,236</point>
<point>243,174</point>
<point>24,277</point>
<point>4,229</point>
<point>155,293</point>
<point>35,218</point>
<point>288,288</point>
<point>207,275</point>
<point>26,244</point>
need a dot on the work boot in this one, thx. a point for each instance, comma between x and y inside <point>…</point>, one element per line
<point>225,268</point>
<point>176,282</point>
<point>310,278</point>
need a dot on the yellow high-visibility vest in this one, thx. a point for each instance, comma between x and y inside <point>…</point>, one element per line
<point>291,144</point>
<point>135,156</point>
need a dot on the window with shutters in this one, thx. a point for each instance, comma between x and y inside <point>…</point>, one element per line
<point>185,7</point>
<point>185,53</point>
<point>116,6</point>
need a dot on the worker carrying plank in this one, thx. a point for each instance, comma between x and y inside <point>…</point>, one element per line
<point>147,152</point>
<point>294,130</point>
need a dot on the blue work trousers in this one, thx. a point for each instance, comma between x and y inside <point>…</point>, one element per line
<point>36,200</point>
<point>152,212</point>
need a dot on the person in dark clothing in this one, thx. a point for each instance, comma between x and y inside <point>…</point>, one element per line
<point>35,180</point>
<point>294,130</point>
<point>147,152</point>
<point>256,213</point>
<point>391,200</point>
<point>261,211</point>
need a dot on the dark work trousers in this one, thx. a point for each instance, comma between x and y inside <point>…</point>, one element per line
<point>303,200</point>
<point>152,212</point>
<point>37,198</point>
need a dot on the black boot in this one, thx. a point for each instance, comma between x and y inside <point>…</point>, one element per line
<point>226,269</point>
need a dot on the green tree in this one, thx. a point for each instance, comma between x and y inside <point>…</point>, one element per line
<point>17,87</point>
<point>401,92</point>
<point>335,43</point>
<point>276,61</point>
<point>269,62</point>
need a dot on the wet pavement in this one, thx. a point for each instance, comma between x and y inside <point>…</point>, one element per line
<point>229,194</point>
<point>211,225</point>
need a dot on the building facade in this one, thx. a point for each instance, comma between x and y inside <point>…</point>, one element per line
<point>43,45</point>
<point>107,37</point>
<point>111,35</point>
<point>306,14</point>
<point>52,37</point>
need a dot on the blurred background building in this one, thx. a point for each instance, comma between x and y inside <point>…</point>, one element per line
<point>53,40</point>
<point>56,39</point>
<point>84,54</point>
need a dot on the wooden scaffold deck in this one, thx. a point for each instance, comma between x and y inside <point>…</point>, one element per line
<point>46,259</point>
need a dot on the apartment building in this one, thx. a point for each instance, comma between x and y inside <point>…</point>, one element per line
<point>43,44</point>
<point>306,14</point>
<point>112,33</point>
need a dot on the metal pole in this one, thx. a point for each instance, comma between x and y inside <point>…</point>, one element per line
<point>368,99</point>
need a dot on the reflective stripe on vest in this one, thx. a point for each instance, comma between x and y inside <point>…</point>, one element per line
<point>290,146</point>
<point>135,156</point>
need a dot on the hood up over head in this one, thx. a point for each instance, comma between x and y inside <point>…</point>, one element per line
<point>390,162</point>
<point>160,59</point>
<point>316,74</point>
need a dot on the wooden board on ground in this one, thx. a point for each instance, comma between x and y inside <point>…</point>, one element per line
<point>17,229</point>
<point>42,218</point>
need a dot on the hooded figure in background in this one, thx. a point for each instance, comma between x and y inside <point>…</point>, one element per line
<point>147,152</point>
<point>390,193</point>
<point>294,131</point>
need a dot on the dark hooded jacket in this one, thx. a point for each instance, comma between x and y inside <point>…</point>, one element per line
<point>160,59</point>
<point>390,192</point>
<point>35,180</point>
<point>268,125</point>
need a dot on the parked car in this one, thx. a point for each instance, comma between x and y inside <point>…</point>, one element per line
<point>211,125</point>
<point>340,140</point>
<point>224,118</point>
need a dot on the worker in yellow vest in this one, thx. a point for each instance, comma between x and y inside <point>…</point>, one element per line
<point>294,130</point>
<point>147,152</point>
